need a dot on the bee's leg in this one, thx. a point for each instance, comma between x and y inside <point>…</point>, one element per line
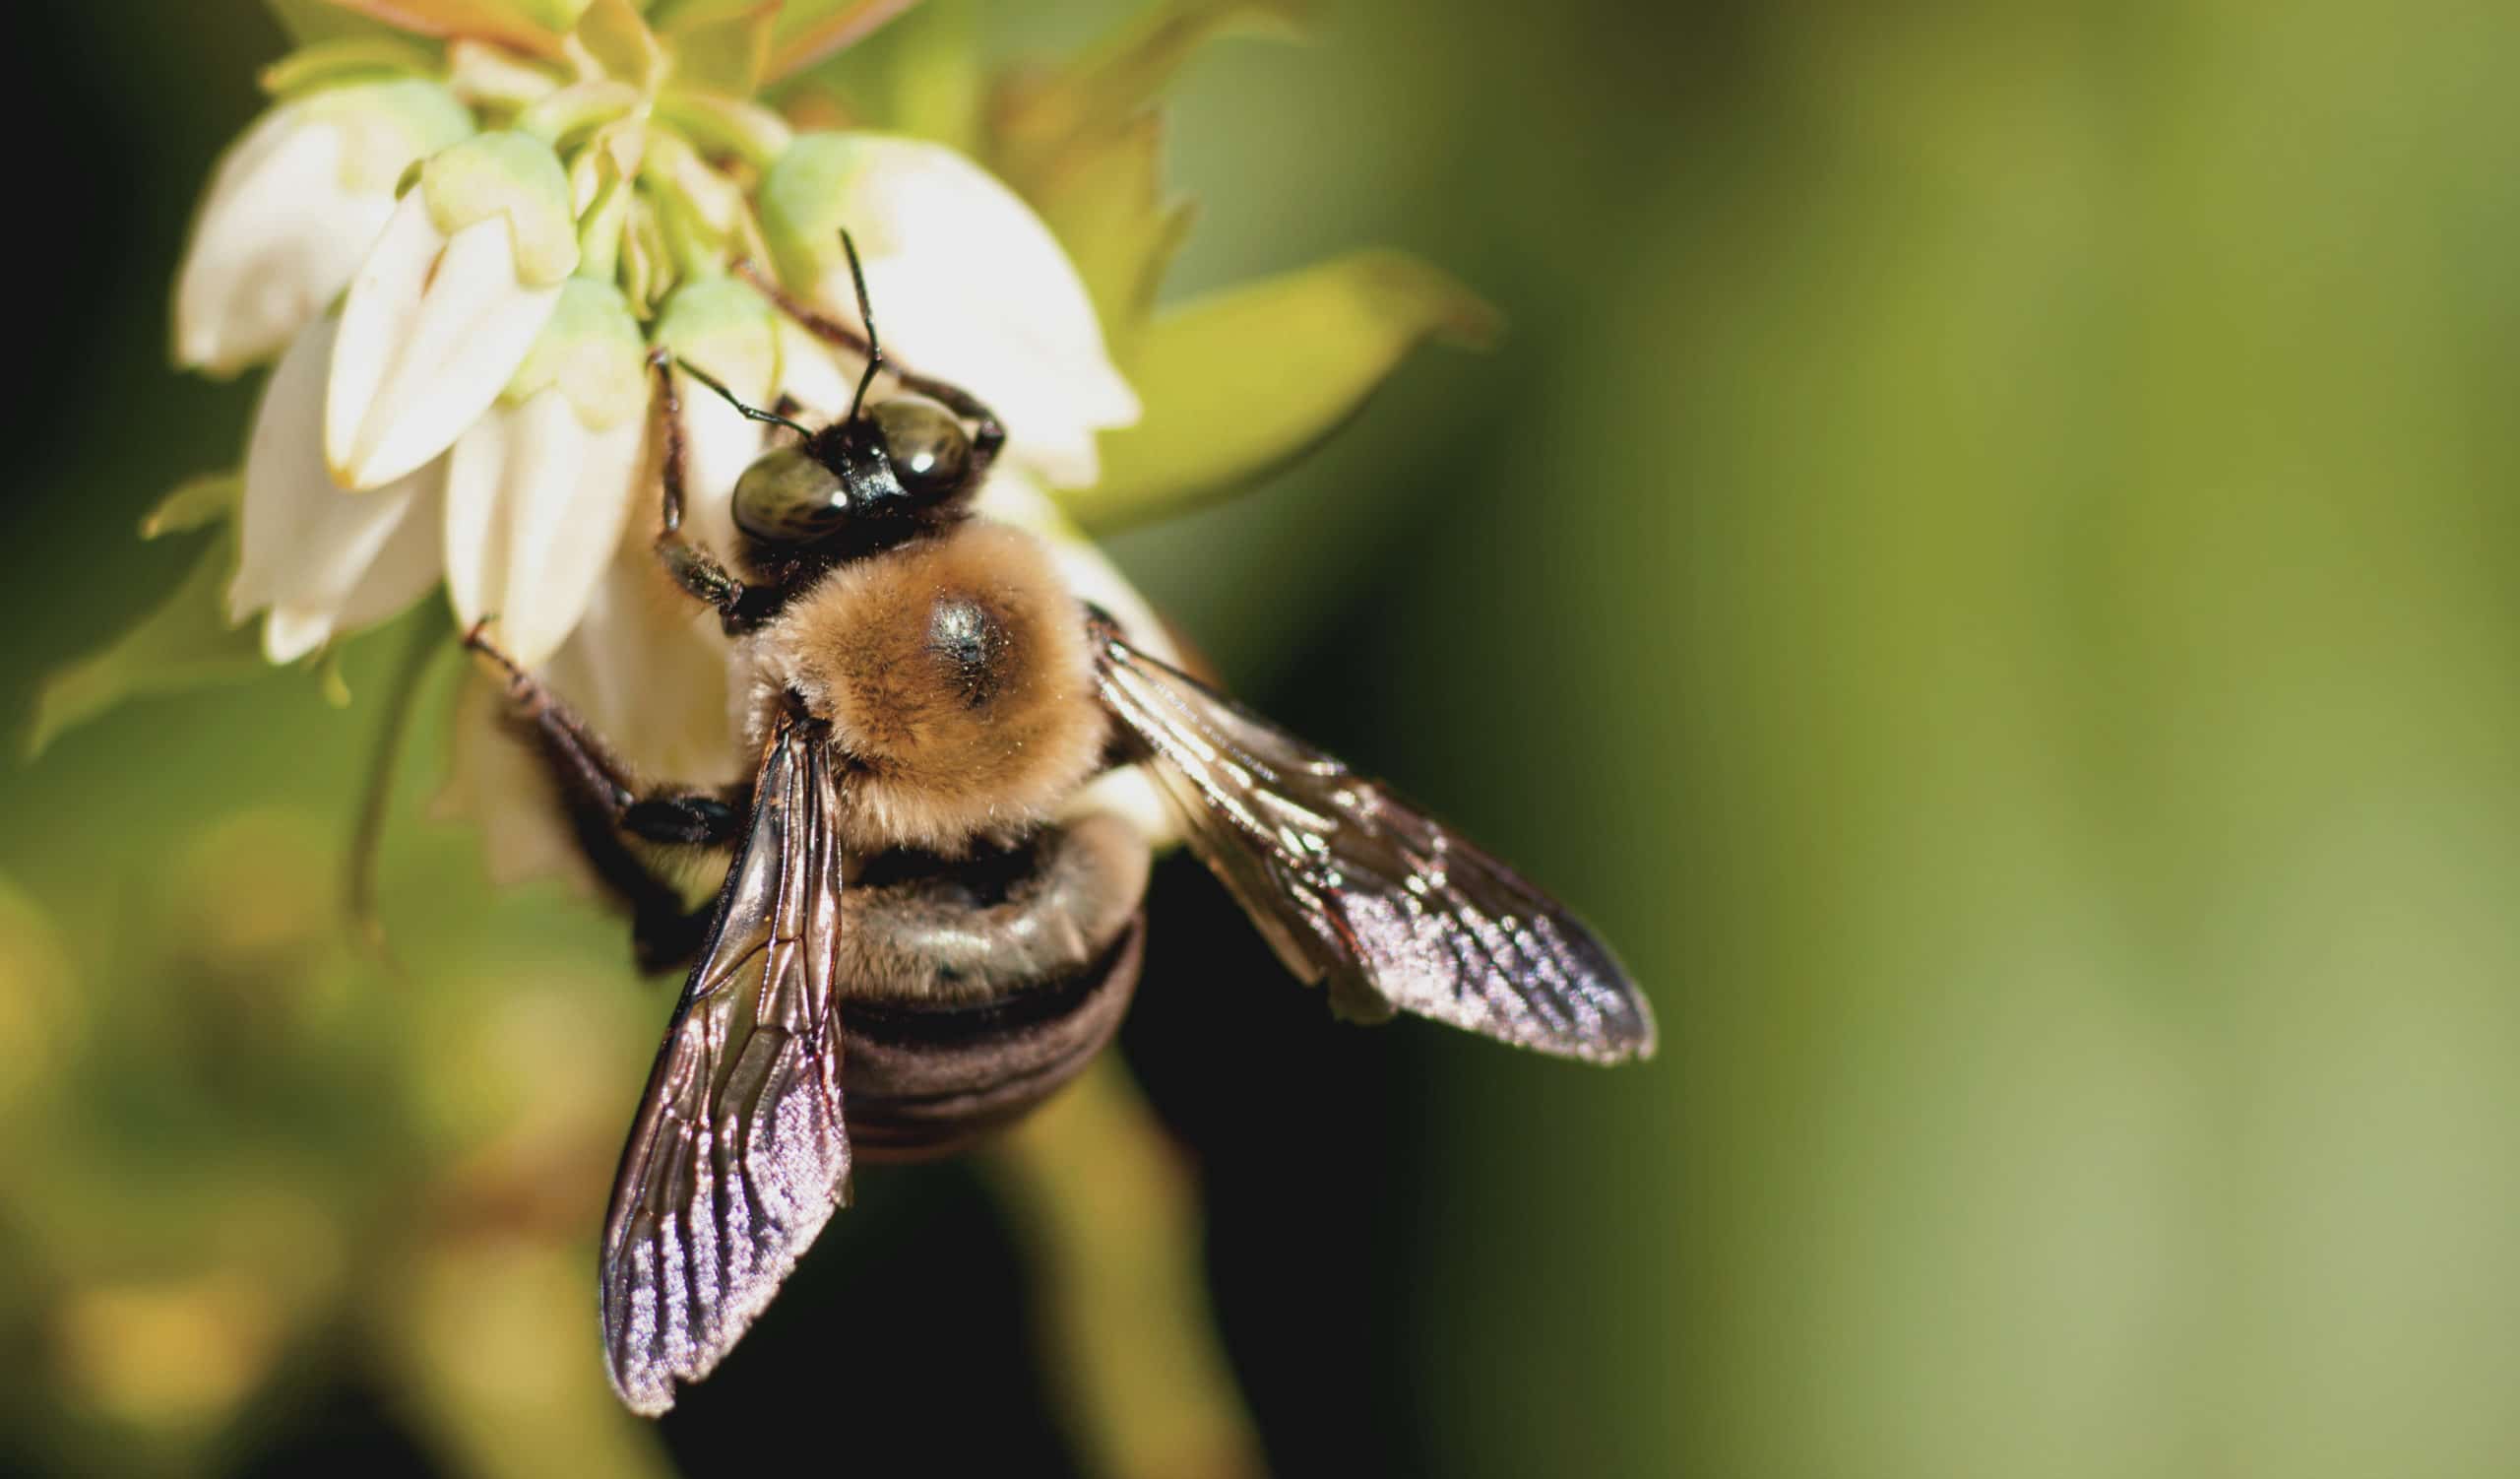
<point>585,766</point>
<point>607,806</point>
<point>988,435</point>
<point>699,572</point>
<point>665,932</point>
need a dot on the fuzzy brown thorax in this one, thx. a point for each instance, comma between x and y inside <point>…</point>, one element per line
<point>955,675</point>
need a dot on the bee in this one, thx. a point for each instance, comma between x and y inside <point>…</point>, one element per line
<point>908,949</point>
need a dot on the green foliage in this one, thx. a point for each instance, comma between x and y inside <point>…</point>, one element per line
<point>186,642</point>
<point>324,64</point>
<point>535,26</point>
<point>922,75</point>
<point>1242,382</point>
<point>312,23</point>
<point>277,1154</point>
<point>720,50</point>
<point>808,31</point>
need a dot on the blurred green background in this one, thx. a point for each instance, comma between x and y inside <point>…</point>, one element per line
<point>1985,564</point>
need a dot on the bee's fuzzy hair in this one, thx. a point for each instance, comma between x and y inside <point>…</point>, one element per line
<point>935,745</point>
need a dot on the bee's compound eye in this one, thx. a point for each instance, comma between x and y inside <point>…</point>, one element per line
<point>787,497</point>
<point>930,453</point>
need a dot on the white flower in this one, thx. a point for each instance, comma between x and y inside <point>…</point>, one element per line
<point>439,316</point>
<point>292,210</point>
<point>967,285</point>
<point>319,560</point>
<point>535,501</point>
<point>539,487</point>
<point>478,416</point>
<point>520,518</point>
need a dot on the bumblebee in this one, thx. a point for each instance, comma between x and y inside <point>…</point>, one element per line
<point>908,949</point>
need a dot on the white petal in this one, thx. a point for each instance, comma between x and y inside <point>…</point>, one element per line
<point>410,562</point>
<point>278,239</point>
<point>321,559</point>
<point>718,443</point>
<point>1052,394</point>
<point>434,329</point>
<point>813,375</point>
<point>969,285</point>
<point>648,669</point>
<point>535,507</point>
<point>384,299</point>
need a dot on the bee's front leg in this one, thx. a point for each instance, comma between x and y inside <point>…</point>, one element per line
<point>608,805</point>
<point>701,574</point>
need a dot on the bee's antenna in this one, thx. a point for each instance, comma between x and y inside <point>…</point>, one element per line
<point>866,316</point>
<point>751,413</point>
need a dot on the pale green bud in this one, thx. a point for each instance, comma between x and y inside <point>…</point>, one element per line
<point>513,175</point>
<point>591,351</point>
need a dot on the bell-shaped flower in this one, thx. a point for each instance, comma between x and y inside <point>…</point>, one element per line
<point>292,211</point>
<point>538,488</point>
<point>319,561</point>
<point>969,285</point>
<point>456,289</point>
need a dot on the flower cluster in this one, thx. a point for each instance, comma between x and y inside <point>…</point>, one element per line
<point>445,252</point>
<point>460,240</point>
<point>478,411</point>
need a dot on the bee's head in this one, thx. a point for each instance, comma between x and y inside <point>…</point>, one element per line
<point>876,477</point>
<point>885,471</point>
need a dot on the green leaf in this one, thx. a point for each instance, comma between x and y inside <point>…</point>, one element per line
<point>312,23</point>
<point>195,503</point>
<point>1084,144</point>
<point>1107,206</point>
<point>617,38</point>
<point>722,49</point>
<point>326,63</point>
<point>1042,117</point>
<point>186,643</point>
<point>809,32</point>
<point>534,26</point>
<point>1242,382</point>
<point>919,75</point>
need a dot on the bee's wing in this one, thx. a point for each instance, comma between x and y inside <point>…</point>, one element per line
<point>1357,889</point>
<point>739,1153</point>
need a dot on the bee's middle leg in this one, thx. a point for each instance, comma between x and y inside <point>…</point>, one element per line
<point>607,806</point>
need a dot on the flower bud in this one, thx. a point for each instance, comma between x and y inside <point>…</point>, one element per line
<point>292,208</point>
